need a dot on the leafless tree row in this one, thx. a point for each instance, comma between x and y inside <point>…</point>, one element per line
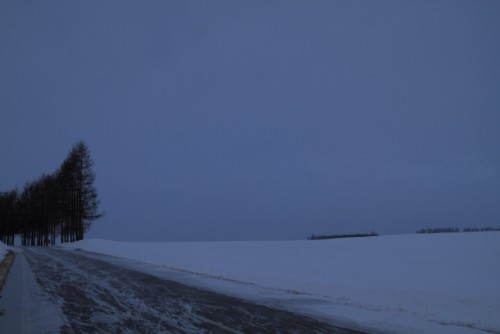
<point>62,204</point>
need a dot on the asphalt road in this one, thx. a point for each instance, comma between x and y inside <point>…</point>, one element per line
<point>96,296</point>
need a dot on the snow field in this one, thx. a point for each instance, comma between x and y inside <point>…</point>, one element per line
<point>412,283</point>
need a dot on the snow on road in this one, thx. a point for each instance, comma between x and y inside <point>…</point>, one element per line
<point>78,292</point>
<point>439,283</point>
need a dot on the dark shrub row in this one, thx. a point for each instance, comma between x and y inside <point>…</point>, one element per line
<point>341,236</point>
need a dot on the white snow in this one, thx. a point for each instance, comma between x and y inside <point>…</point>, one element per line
<point>435,283</point>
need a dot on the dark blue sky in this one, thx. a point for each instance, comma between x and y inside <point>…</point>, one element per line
<point>237,120</point>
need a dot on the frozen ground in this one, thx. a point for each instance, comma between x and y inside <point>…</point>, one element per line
<point>438,283</point>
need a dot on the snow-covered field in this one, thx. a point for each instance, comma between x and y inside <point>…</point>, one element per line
<point>437,283</point>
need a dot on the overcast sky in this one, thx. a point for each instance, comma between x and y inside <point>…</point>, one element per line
<point>259,120</point>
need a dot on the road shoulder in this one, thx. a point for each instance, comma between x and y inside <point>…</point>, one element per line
<point>5,267</point>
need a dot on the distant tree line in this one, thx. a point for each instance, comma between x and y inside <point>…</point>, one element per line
<point>438,230</point>
<point>62,204</point>
<point>481,229</point>
<point>340,236</point>
<point>455,229</point>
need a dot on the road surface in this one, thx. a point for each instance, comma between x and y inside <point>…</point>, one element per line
<point>77,292</point>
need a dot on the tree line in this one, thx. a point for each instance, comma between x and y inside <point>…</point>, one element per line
<point>341,236</point>
<point>59,205</point>
<point>456,229</point>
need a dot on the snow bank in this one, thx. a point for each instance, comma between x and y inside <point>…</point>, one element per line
<point>430,283</point>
